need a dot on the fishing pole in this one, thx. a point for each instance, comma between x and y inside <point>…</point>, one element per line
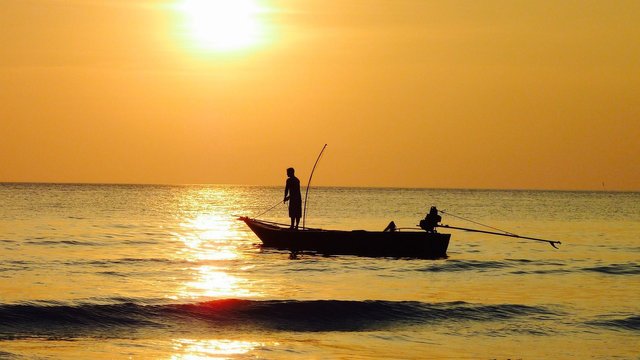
<point>475,222</point>
<point>304,214</point>
<point>551,242</point>
<point>269,209</point>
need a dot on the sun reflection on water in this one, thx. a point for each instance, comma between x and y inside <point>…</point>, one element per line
<point>212,282</point>
<point>212,245</point>
<point>192,349</point>
<point>209,237</point>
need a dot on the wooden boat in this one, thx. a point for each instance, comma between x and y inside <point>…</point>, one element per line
<point>425,244</point>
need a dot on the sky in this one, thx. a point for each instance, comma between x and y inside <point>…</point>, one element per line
<point>488,94</point>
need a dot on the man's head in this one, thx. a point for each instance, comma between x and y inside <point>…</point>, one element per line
<point>290,172</point>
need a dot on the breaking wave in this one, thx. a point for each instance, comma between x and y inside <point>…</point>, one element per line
<point>286,315</point>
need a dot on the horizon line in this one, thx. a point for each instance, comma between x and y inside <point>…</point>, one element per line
<point>316,186</point>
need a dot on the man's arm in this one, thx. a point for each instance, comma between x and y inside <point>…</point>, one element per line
<point>286,191</point>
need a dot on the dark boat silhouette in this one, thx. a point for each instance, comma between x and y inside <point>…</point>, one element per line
<point>424,244</point>
<point>391,242</point>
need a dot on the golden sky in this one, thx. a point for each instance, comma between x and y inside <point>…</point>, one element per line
<point>540,94</point>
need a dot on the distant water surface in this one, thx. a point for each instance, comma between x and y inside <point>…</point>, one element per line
<point>167,272</point>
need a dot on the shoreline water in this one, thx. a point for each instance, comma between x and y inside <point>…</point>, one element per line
<point>112,271</point>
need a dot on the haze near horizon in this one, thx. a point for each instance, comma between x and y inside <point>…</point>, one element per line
<point>492,94</point>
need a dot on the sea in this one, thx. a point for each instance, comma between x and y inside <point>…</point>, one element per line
<point>168,272</point>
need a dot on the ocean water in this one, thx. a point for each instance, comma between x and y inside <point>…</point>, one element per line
<point>167,272</point>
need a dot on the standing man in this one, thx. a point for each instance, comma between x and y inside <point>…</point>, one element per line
<point>292,193</point>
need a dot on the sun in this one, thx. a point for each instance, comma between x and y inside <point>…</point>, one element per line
<point>223,25</point>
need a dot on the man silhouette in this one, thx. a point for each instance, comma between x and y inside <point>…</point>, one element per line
<point>292,194</point>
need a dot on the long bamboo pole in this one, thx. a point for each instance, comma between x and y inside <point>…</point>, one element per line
<point>304,214</point>
<point>551,242</point>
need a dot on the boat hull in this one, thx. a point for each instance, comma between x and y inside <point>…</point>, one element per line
<point>413,244</point>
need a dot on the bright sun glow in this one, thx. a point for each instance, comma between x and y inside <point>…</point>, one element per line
<point>223,25</point>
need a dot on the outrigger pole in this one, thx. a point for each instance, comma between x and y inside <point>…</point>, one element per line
<point>551,242</point>
<point>306,193</point>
